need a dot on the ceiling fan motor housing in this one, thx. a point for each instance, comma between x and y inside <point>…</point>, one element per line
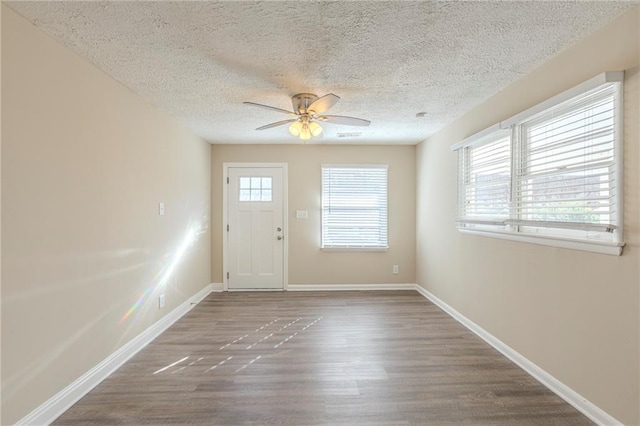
<point>301,101</point>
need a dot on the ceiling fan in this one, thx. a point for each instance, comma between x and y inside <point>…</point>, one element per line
<point>308,110</point>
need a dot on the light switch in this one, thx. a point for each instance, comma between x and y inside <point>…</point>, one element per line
<point>161,209</point>
<point>302,214</point>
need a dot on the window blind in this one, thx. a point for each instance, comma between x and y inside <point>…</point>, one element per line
<point>485,180</point>
<point>552,172</point>
<point>567,172</point>
<point>354,206</point>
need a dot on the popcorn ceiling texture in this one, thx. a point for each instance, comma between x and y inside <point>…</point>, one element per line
<point>387,60</point>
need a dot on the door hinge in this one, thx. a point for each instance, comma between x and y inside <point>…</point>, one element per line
<point>227,275</point>
<point>227,228</point>
<point>227,180</point>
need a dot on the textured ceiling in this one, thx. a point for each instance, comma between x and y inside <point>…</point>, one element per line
<point>386,60</point>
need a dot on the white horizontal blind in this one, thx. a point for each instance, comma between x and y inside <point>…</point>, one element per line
<point>485,180</point>
<point>555,177</point>
<point>566,173</point>
<point>354,206</point>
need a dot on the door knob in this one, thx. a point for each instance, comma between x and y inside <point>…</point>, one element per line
<point>279,237</point>
<point>279,229</point>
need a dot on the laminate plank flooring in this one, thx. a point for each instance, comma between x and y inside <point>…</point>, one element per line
<point>320,358</point>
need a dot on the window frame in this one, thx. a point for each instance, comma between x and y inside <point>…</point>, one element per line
<point>353,247</point>
<point>570,235</point>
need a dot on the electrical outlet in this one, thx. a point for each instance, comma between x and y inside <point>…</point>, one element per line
<point>395,269</point>
<point>161,301</point>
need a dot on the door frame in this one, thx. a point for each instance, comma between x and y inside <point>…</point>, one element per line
<point>285,221</point>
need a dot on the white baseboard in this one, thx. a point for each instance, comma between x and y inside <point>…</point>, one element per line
<point>252,290</point>
<point>583,405</point>
<point>350,287</point>
<point>217,287</point>
<point>46,413</point>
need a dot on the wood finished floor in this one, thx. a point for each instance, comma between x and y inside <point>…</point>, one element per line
<point>321,358</point>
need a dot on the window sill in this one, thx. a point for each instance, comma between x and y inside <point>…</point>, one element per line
<point>362,249</point>
<point>610,248</point>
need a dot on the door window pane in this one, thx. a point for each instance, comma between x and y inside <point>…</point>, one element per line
<point>255,189</point>
<point>245,183</point>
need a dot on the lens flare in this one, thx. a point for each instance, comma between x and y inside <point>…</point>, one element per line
<point>135,305</point>
<point>172,260</point>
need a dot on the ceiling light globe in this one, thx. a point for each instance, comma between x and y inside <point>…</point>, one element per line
<point>295,128</point>
<point>305,134</point>
<point>315,129</point>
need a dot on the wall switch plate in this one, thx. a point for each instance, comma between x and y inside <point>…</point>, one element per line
<point>161,209</point>
<point>302,214</point>
<point>161,301</point>
<point>395,269</point>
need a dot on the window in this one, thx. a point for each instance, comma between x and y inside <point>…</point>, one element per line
<point>552,173</point>
<point>485,184</point>
<point>253,189</point>
<point>567,169</point>
<point>354,207</point>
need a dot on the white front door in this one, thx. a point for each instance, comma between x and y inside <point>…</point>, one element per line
<point>256,228</point>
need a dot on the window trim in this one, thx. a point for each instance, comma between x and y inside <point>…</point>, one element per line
<point>354,248</point>
<point>506,229</point>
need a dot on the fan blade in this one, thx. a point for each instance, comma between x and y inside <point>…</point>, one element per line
<point>269,107</point>
<point>322,104</point>
<point>276,124</point>
<point>347,121</point>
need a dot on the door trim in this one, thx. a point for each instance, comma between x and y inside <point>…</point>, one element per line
<point>285,218</point>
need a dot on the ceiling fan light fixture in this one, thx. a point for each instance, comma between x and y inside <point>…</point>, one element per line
<point>308,110</point>
<point>315,128</point>
<point>295,128</point>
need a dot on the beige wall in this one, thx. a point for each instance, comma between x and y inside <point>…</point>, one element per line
<point>574,314</point>
<point>307,263</point>
<point>84,164</point>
